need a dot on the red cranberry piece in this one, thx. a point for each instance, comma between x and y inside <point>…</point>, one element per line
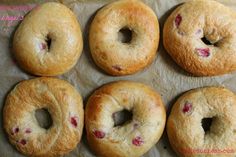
<point>137,141</point>
<point>187,107</point>
<point>178,20</point>
<point>99,134</point>
<point>43,46</point>
<point>117,67</point>
<point>73,121</point>
<point>16,130</point>
<point>23,142</point>
<point>28,131</point>
<point>204,52</point>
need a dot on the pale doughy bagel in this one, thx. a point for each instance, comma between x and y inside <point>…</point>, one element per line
<point>187,30</point>
<point>136,136</point>
<point>63,103</point>
<point>186,132</point>
<point>48,41</point>
<point>115,57</point>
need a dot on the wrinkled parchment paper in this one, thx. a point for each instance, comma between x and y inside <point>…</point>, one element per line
<point>163,74</point>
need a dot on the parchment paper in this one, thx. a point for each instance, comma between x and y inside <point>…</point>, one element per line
<point>163,74</point>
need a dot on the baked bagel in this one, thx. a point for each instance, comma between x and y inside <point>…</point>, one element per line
<point>203,123</point>
<point>49,41</point>
<point>63,103</point>
<point>117,57</point>
<point>200,36</point>
<point>134,137</point>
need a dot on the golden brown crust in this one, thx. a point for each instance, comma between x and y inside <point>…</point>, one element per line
<point>133,138</point>
<point>49,21</point>
<point>194,20</point>
<point>65,106</point>
<point>184,127</point>
<point>115,57</point>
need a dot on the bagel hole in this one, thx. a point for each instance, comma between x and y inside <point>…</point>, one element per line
<point>122,117</point>
<point>125,35</point>
<point>206,124</point>
<point>43,118</point>
<point>48,41</point>
<point>207,42</point>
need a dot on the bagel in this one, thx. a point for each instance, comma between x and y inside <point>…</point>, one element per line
<point>49,41</point>
<point>121,58</point>
<point>134,137</point>
<point>200,36</point>
<point>63,103</point>
<point>185,126</point>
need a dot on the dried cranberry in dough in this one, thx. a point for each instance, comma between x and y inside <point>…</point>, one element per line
<point>48,41</point>
<point>116,57</point>
<point>135,136</point>
<point>200,36</point>
<point>65,107</point>
<point>191,136</point>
